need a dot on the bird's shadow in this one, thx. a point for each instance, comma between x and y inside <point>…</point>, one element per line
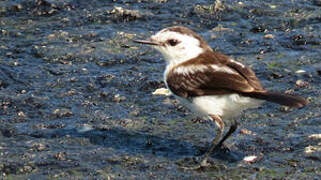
<point>133,142</point>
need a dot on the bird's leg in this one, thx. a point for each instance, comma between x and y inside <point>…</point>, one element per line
<point>228,134</point>
<point>215,142</point>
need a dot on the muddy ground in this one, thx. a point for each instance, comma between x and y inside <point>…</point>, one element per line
<point>76,96</point>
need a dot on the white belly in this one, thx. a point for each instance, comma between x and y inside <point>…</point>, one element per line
<point>226,106</point>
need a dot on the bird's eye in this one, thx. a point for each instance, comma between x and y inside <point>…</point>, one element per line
<point>173,42</point>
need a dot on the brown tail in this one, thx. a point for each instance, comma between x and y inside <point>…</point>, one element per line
<point>276,97</point>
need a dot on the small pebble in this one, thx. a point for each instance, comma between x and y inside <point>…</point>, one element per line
<point>269,36</point>
<point>18,34</point>
<point>63,112</point>
<point>51,36</point>
<point>246,131</point>
<point>250,159</point>
<point>39,146</point>
<point>118,98</point>
<point>85,128</point>
<point>287,70</point>
<point>285,109</point>
<point>4,32</point>
<point>272,6</point>
<point>9,53</point>
<point>27,168</point>
<point>301,83</point>
<point>60,156</point>
<point>162,91</point>
<point>21,114</point>
<point>65,19</point>
<point>270,114</point>
<point>311,149</point>
<point>315,136</point>
<point>300,71</point>
<point>134,113</point>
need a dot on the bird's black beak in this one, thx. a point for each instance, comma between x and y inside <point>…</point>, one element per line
<point>146,42</point>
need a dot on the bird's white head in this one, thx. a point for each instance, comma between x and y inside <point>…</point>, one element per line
<point>177,44</point>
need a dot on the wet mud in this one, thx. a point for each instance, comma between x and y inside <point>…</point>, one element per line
<point>76,96</point>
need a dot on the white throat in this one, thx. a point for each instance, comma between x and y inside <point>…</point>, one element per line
<point>178,58</point>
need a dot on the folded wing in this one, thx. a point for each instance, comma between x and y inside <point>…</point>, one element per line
<point>206,78</point>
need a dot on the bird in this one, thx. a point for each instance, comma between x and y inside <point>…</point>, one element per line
<point>211,84</point>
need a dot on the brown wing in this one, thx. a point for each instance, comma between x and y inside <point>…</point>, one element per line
<point>246,72</point>
<point>212,79</point>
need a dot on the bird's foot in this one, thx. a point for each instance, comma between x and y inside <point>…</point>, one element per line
<point>193,163</point>
<point>224,153</point>
<point>222,149</point>
<point>218,150</point>
<point>198,163</point>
